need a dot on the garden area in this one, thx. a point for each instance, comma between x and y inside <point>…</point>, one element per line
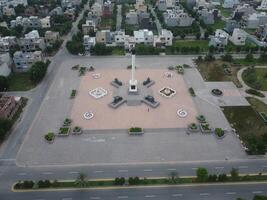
<point>249,125</point>
<point>218,70</point>
<point>20,82</point>
<point>255,78</point>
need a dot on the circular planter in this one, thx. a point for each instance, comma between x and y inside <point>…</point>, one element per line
<point>216,92</point>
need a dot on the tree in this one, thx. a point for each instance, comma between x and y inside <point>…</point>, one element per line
<point>37,71</point>
<point>174,176</point>
<point>5,126</point>
<point>227,57</point>
<point>198,35</point>
<point>249,57</point>
<point>202,174</point>
<point>234,174</point>
<point>119,181</point>
<point>81,180</point>
<point>3,83</point>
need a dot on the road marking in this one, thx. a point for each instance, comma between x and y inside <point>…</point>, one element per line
<point>95,198</point>
<point>177,195</point>
<point>230,193</point>
<point>257,192</point>
<point>243,167</point>
<point>67,198</point>
<point>47,173</point>
<point>150,196</point>
<point>21,174</point>
<point>204,194</point>
<point>123,170</point>
<point>219,167</point>
<point>122,197</point>
<point>172,169</point>
<point>264,166</point>
<point>73,172</point>
<point>194,168</point>
<point>147,170</point>
<point>99,171</point>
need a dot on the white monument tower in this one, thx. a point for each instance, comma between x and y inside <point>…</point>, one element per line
<point>133,81</point>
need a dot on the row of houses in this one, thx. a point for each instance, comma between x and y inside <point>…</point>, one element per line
<point>31,22</point>
<point>119,38</point>
<point>177,17</point>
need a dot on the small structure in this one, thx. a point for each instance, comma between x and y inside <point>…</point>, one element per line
<point>167,92</point>
<point>133,81</point>
<point>98,93</point>
<point>9,106</point>
<point>88,115</point>
<point>238,37</point>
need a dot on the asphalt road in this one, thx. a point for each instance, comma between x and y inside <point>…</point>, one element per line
<point>228,192</point>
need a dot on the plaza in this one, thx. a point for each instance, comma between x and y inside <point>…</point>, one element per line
<point>105,139</point>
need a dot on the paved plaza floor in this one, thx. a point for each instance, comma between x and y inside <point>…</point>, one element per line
<point>124,117</point>
<point>107,147</point>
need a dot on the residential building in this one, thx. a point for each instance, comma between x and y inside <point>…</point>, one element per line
<point>32,42</point>
<point>96,9</point>
<point>144,20</point>
<point>132,17</point>
<point>238,37</point>
<point>107,9</point>
<point>162,5</point>
<point>206,16</point>
<point>144,36</point>
<point>88,42</point>
<point>8,11</point>
<point>263,5</point>
<point>5,63</point>
<point>256,19</point>
<point>9,106</point>
<point>230,25</point>
<point>219,40</point>
<point>104,36</point>
<point>23,61</point>
<point>96,19</point>
<point>51,37</point>
<point>88,27</point>
<point>56,11</point>
<point>177,17</point>
<point>120,38</point>
<point>70,3</point>
<point>35,22</point>
<point>243,11</point>
<point>261,32</point>
<point>45,22</point>
<point>7,42</point>
<point>13,3</point>
<point>230,3</point>
<point>70,14</point>
<point>164,39</point>
<point>30,11</point>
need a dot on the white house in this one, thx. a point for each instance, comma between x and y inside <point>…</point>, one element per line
<point>7,42</point>
<point>263,5</point>
<point>132,17</point>
<point>256,19</point>
<point>144,36</point>
<point>164,39</point>
<point>120,38</point>
<point>5,62</point>
<point>96,9</point>
<point>238,37</point>
<point>45,22</point>
<point>88,42</point>
<point>23,61</point>
<point>88,27</point>
<point>177,17</point>
<point>219,40</point>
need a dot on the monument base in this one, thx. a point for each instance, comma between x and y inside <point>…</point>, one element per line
<point>133,87</point>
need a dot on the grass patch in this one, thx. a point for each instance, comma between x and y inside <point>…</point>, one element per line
<point>20,82</point>
<point>226,12</point>
<point>258,75</point>
<point>247,121</point>
<point>106,23</point>
<point>218,24</point>
<point>202,44</point>
<point>215,71</point>
<point>118,51</point>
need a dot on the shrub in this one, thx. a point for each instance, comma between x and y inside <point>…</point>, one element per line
<point>38,71</point>
<point>202,174</point>
<point>135,129</point>
<point>212,178</point>
<point>119,181</point>
<point>3,83</point>
<point>222,177</point>
<point>134,181</point>
<point>219,132</point>
<point>49,136</point>
<point>192,92</point>
<point>63,130</point>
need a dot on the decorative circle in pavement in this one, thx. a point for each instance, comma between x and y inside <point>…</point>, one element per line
<point>167,92</point>
<point>181,113</point>
<point>168,74</point>
<point>88,115</point>
<point>96,75</point>
<point>216,92</point>
<point>98,92</point>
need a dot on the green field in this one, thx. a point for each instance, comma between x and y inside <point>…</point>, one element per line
<point>203,44</point>
<point>219,24</point>
<point>20,82</point>
<point>260,75</point>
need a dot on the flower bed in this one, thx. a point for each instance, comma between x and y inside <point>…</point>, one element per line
<point>135,131</point>
<point>205,128</point>
<point>64,131</point>
<point>73,94</point>
<point>192,92</point>
<point>49,137</point>
<point>201,119</point>
<point>76,130</point>
<point>220,133</point>
<point>67,122</point>
<point>193,127</point>
<point>255,92</point>
<point>216,92</point>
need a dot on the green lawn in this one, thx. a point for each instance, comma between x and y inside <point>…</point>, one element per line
<point>224,11</point>
<point>261,78</point>
<point>106,22</point>
<point>203,44</point>
<point>246,120</point>
<point>219,24</point>
<point>118,51</point>
<point>20,82</point>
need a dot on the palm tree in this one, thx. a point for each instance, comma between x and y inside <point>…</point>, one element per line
<point>81,180</point>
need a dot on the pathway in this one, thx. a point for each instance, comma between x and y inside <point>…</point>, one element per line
<point>158,24</point>
<point>245,86</point>
<point>119,18</point>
